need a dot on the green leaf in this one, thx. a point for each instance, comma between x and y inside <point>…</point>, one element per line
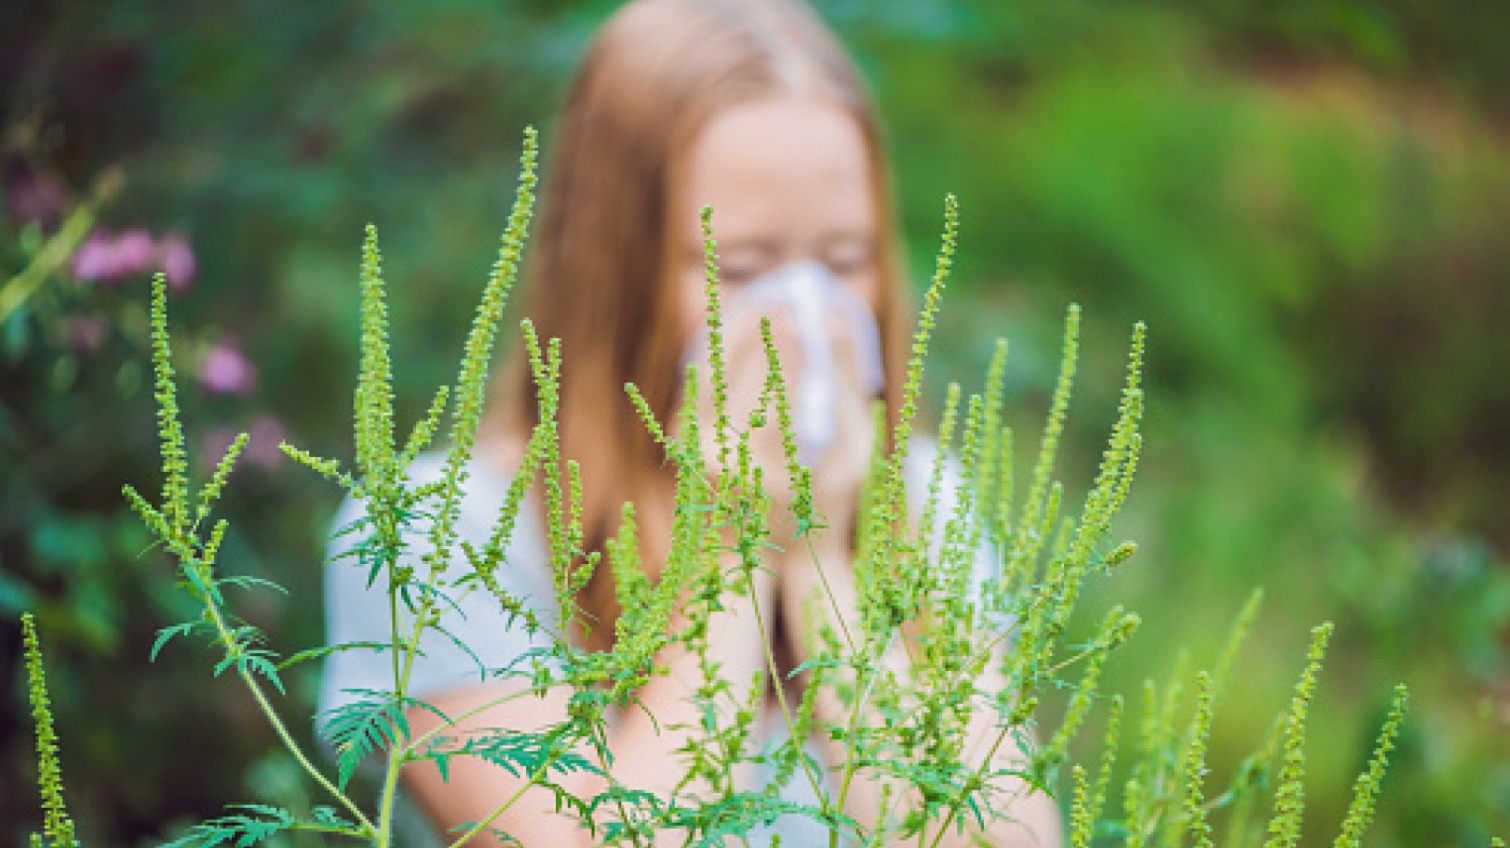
<point>326,650</point>
<point>360,727</point>
<point>522,753</point>
<point>247,582</point>
<point>166,635</point>
<point>240,831</point>
<point>260,661</point>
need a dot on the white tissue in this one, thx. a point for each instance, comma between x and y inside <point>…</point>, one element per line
<point>811,295</point>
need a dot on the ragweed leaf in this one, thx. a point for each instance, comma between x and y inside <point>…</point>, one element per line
<point>258,823</point>
<point>324,651</point>
<point>167,634</point>
<point>359,728</point>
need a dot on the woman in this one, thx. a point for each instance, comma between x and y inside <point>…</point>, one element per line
<point>752,108</point>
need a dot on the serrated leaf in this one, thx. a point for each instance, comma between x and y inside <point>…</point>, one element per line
<point>257,661</point>
<point>166,634</point>
<point>482,669</point>
<point>816,662</point>
<point>522,753</point>
<point>330,817</point>
<point>358,728</point>
<point>244,829</point>
<point>326,650</point>
<point>247,582</point>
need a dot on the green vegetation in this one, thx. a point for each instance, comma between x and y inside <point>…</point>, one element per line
<point>1303,199</point>
<point>926,669</point>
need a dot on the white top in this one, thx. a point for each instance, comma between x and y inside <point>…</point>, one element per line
<point>356,613</point>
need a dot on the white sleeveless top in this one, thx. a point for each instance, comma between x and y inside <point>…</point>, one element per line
<point>356,613</point>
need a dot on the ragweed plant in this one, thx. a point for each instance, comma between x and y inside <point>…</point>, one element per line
<point>57,827</point>
<point>931,682</point>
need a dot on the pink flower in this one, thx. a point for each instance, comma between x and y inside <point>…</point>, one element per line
<point>134,252</point>
<point>225,371</point>
<point>108,258</point>
<point>177,260</point>
<point>95,258</point>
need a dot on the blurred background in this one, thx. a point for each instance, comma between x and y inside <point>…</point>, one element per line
<point>1307,201</point>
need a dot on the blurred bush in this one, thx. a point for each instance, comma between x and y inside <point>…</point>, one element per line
<point>1305,214</point>
<point>1302,198</point>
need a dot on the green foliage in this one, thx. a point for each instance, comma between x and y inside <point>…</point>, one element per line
<point>57,827</point>
<point>1366,789</point>
<point>1289,801</point>
<point>1303,199</point>
<point>363,726</point>
<point>926,666</point>
<point>259,823</point>
<point>1312,251</point>
<point>241,644</point>
<point>472,380</point>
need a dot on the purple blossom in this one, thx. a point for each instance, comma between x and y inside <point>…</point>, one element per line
<point>110,257</point>
<point>95,258</point>
<point>134,252</point>
<point>226,371</point>
<point>107,257</point>
<point>177,260</point>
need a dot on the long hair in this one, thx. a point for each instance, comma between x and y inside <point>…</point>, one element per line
<point>606,250</point>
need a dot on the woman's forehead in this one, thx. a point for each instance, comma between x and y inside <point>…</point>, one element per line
<point>781,166</point>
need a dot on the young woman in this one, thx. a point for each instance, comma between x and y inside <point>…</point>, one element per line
<point>750,107</point>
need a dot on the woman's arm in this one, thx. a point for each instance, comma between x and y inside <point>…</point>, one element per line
<point>474,788</point>
<point>644,747</point>
<point>1033,817</point>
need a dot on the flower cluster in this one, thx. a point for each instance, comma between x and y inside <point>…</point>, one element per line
<point>225,370</point>
<point>110,257</point>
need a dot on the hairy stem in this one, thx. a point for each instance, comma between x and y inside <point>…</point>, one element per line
<point>975,781</point>
<point>600,746</point>
<point>786,710</point>
<point>229,642</point>
<point>851,764</point>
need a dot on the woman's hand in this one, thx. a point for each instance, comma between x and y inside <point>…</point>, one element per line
<point>838,465</point>
<point>839,472</point>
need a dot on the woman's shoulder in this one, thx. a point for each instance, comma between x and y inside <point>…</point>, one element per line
<point>491,463</point>
<point>486,478</point>
<point>475,632</point>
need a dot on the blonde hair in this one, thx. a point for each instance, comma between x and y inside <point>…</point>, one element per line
<point>606,250</point>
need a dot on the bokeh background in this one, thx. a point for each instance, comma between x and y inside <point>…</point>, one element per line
<point>1307,201</point>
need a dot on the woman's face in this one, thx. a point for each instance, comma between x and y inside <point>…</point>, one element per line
<point>789,180</point>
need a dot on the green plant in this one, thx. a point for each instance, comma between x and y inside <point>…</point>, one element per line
<point>941,690</point>
<point>57,827</point>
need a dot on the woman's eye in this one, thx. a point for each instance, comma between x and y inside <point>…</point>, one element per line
<point>740,267</point>
<point>848,263</point>
<point>731,271</point>
<point>736,276</point>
